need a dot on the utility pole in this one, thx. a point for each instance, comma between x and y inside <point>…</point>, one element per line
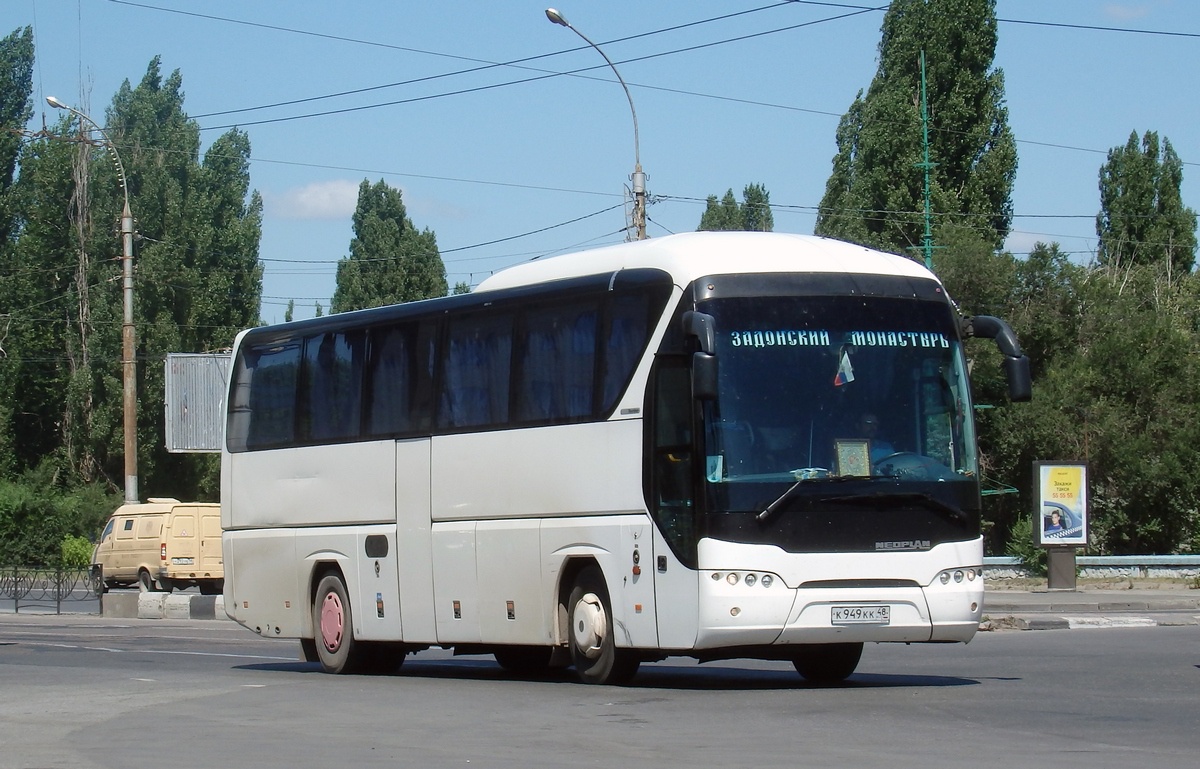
<point>638,179</point>
<point>928,246</point>
<point>128,361</point>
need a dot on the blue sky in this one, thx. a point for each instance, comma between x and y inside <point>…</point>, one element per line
<point>504,171</point>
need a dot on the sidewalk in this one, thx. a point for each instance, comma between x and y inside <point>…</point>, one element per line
<point>1088,607</point>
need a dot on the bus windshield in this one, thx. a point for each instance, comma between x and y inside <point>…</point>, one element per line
<point>836,398</point>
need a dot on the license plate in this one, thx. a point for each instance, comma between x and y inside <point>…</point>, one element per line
<point>862,615</point>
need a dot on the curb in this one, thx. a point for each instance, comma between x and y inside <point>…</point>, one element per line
<point>162,606</point>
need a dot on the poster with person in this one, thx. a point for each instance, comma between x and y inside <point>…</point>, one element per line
<point>1061,516</point>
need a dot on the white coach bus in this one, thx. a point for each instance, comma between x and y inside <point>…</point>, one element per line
<point>652,449</point>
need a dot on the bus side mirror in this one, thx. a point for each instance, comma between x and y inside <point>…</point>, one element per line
<point>704,376</point>
<point>1016,364</point>
<point>1020,382</point>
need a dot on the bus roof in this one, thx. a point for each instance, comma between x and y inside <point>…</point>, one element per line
<point>691,255</point>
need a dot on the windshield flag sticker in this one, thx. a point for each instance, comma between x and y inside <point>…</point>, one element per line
<point>845,372</point>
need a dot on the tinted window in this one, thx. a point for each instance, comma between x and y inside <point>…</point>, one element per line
<point>333,363</point>
<point>475,380</point>
<point>401,372</point>
<point>558,363</point>
<point>629,330</point>
<point>272,374</point>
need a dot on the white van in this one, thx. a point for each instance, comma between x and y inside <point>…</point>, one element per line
<point>162,544</point>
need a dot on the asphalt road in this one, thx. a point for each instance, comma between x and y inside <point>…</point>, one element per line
<point>87,692</point>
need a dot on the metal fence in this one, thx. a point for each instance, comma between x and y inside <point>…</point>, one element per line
<point>50,589</point>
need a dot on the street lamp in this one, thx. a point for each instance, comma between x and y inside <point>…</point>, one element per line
<point>128,365</point>
<point>638,178</point>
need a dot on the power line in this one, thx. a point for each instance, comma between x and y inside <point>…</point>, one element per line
<point>547,74</point>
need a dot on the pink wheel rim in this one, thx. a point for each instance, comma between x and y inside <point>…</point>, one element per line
<point>332,622</point>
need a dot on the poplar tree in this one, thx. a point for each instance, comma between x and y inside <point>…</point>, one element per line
<point>16,82</point>
<point>753,213</point>
<point>197,280</point>
<point>390,260</point>
<point>1142,218</point>
<point>875,192</point>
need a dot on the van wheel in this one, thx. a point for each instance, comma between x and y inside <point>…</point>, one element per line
<point>336,648</point>
<point>594,651</point>
<point>145,582</point>
<point>166,585</point>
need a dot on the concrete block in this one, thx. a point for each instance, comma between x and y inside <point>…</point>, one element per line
<point>177,607</point>
<point>204,607</point>
<point>150,605</point>
<point>122,605</point>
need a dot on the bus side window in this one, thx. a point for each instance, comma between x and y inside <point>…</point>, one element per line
<point>392,375</point>
<point>557,363</point>
<point>475,380</point>
<point>274,372</point>
<point>333,365</point>
<point>629,329</point>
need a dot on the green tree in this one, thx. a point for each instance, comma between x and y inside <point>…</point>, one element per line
<point>1142,218</point>
<point>390,260</point>
<point>753,213</point>
<point>875,192</point>
<point>16,81</point>
<point>197,280</point>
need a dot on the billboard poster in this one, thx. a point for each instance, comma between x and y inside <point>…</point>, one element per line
<point>1061,499</point>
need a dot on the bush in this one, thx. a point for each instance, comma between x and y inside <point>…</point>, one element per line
<point>37,516</point>
<point>1021,546</point>
<point>76,552</point>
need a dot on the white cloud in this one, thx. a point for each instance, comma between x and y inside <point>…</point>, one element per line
<point>334,199</point>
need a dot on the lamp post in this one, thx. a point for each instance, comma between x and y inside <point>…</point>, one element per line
<point>128,364</point>
<point>639,178</point>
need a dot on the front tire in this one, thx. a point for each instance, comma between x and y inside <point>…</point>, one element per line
<point>337,650</point>
<point>826,664</point>
<point>591,635</point>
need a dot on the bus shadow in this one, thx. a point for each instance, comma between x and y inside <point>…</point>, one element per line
<point>650,676</point>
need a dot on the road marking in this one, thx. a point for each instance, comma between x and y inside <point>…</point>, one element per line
<point>156,651</point>
<point>1091,622</point>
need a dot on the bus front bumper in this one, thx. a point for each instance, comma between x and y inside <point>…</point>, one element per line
<point>734,614</point>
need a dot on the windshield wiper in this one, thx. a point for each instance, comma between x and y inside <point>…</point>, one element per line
<point>770,509</point>
<point>926,501</point>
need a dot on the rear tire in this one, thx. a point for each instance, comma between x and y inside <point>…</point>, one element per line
<point>165,585</point>
<point>337,650</point>
<point>210,588</point>
<point>591,636</point>
<point>145,582</point>
<point>826,664</point>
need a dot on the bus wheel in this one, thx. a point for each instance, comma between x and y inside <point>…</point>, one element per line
<point>336,648</point>
<point>827,663</point>
<point>594,651</point>
<point>145,582</point>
